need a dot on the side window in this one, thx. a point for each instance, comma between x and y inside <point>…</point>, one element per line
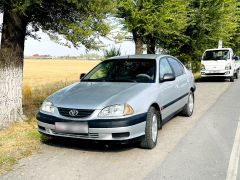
<point>177,67</point>
<point>164,67</point>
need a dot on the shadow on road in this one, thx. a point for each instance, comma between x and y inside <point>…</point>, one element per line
<point>212,79</point>
<point>88,145</point>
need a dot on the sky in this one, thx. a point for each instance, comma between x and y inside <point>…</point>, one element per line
<point>46,46</point>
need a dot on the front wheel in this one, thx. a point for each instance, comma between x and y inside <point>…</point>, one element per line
<point>189,107</point>
<point>232,79</point>
<point>151,129</point>
<point>237,74</point>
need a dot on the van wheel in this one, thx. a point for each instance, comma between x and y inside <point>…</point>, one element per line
<point>151,129</point>
<point>237,74</point>
<point>232,79</point>
<point>189,107</point>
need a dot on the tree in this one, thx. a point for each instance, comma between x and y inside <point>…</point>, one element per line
<point>166,23</point>
<point>133,21</point>
<point>151,21</point>
<point>79,22</point>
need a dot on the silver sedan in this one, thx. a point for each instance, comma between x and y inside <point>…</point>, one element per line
<point>123,99</point>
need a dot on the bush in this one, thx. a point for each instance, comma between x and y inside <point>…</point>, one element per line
<point>112,52</point>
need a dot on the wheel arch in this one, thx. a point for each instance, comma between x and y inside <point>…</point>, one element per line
<point>156,106</point>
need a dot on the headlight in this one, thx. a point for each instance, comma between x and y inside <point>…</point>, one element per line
<point>202,67</point>
<point>116,110</point>
<point>47,107</point>
<point>228,66</point>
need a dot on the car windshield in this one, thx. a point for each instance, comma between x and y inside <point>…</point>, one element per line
<point>123,70</point>
<point>216,55</point>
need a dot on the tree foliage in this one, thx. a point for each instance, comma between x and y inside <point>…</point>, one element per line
<point>79,22</point>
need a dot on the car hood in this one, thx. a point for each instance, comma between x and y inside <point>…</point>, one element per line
<point>96,95</point>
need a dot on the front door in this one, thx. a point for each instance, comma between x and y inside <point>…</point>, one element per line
<point>168,91</point>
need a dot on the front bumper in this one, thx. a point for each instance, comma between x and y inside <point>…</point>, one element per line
<point>216,73</point>
<point>98,129</point>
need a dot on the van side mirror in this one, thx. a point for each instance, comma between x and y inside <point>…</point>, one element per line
<point>168,77</point>
<point>82,75</point>
<point>236,58</point>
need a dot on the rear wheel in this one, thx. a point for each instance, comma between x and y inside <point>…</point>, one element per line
<point>151,129</point>
<point>189,107</point>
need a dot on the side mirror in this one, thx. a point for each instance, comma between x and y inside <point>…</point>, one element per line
<point>236,58</point>
<point>168,77</point>
<point>82,75</point>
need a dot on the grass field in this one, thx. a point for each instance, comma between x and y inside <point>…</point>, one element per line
<point>41,72</point>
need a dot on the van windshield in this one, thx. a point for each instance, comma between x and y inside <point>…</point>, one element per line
<point>216,55</point>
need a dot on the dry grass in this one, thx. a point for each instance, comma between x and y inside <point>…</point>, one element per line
<point>17,141</point>
<point>41,72</point>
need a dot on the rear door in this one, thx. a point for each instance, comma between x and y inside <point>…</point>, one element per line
<point>182,81</point>
<point>168,91</point>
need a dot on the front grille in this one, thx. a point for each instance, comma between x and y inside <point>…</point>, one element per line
<point>215,73</point>
<point>81,113</point>
<point>90,135</point>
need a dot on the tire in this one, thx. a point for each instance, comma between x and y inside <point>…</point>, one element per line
<point>237,74</point>
<point>151,129</point>
<point>189,107</point>
<point>232,79</point>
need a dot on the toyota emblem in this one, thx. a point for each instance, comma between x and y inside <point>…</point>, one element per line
<point>73,112</point>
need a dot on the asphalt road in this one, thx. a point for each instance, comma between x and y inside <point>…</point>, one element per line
<point>198,147</point>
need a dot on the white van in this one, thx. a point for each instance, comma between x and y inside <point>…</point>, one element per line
<point>220,63</point>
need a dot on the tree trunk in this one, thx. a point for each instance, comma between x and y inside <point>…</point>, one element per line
<point>151,45</point>
<point>11,66</point>
<point>138,40</point>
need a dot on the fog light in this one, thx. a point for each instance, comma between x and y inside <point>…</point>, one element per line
<point>121,135</point>
<point>203,73</point>
<point>41,128</point>
<point>228,72</point>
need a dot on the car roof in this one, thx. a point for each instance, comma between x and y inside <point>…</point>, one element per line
<point>140,56</point>
<point>218,49</point>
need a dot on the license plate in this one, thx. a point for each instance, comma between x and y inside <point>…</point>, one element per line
<point>213,71</point>
<point>72,127</point>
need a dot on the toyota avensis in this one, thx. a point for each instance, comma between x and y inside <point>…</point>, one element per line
<point>122,99</point>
